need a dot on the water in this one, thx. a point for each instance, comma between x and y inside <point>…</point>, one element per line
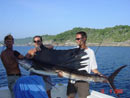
<point>108,59</point>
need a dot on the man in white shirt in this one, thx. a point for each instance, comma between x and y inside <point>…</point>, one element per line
<point>82,87</point>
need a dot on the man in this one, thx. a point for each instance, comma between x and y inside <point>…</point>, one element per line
<point>37,43</point>
<point>82,87</point>
<point>9,59</point>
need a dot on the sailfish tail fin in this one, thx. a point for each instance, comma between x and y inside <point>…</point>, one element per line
<point>112,76</point>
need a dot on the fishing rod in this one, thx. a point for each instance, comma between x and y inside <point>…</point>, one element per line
<point>103,35</point>
<point>1,43</point>
<point>3,46</point>
<point>99,44</point>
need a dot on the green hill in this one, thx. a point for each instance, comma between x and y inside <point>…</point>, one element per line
<point>114,34</point>
<point>120,33</point>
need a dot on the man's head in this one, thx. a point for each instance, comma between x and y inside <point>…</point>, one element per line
<point>37,41</point>
<point>9,41</point>
<point>81,38</point>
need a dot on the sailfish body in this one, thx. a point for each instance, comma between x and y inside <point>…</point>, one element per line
<point>74,75</point>
<point>70,59</point>
<point>49,62</point>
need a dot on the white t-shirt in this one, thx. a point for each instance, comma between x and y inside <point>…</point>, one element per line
<point>90,62</point>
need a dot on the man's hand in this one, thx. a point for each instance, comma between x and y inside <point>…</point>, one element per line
<point>60,73</point>
<point>105,81</point>
<point>21,56</point>
<point>31,53</point>
<point>38,48</point>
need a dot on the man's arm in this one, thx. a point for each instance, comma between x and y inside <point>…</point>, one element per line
<point>18,55</point>
<point>31,53</point>
<point>96,71</point>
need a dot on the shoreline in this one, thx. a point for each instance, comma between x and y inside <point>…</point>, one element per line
<point>116,44</point>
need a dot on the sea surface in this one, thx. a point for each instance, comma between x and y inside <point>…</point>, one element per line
<point>108,60</point>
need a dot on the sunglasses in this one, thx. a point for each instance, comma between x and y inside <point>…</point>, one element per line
<point>78,38</point>
<point>36,41</point>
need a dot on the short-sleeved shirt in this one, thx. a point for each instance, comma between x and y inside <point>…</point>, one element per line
<point>90,62</point>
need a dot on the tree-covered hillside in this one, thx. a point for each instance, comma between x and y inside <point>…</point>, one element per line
<point>119,33</point>
<point>114,34</point>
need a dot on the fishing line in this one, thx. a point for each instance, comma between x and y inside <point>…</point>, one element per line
<point>95,54</point>
<point>100,44</point>
<point>102,41</point>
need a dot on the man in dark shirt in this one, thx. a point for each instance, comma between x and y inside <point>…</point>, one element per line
<point>37,43</point>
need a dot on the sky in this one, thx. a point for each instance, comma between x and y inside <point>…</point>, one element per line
<point>27,18</point>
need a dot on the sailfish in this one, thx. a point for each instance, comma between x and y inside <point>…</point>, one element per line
<point>50,61</point>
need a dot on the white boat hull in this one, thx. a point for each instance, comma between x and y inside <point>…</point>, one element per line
<point>4,92</point>
<point>59,91</point>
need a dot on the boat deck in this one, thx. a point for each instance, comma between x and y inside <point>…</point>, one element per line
<point>61,89</point>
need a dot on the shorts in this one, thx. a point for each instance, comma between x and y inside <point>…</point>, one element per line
<point>80,87</point>
<point>11,82</point>
<point>48,82</point>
